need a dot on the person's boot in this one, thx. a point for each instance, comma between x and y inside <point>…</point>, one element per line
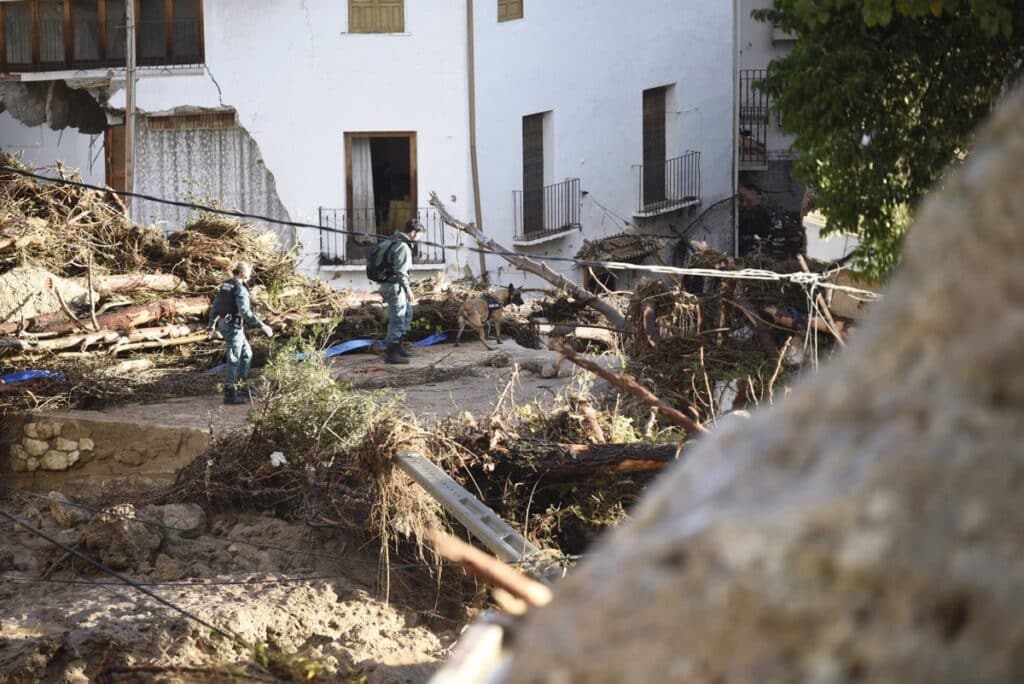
<point>394,354</point>
<point>404,351</point>
<point>242,392</point>
<point>231,396</point>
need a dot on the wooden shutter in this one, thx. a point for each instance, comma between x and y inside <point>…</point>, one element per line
<point>654,145</point>
<point>533,173</point>
<point>113,150</point>
<point>510,9</point>
<point>376,16</point>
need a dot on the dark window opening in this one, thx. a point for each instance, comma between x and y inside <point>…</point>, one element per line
<point>381,186</point>
<point>654,146</point>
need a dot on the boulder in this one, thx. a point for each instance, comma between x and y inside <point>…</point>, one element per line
<point>116,539</point>
<point>188,517</point>
<point>66,514</point>
<point>868,529</point>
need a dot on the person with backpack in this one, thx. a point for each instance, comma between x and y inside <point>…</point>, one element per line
<point>388,265</point>
<point>230,313</point>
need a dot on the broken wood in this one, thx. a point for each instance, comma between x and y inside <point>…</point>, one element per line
<point>798,322</point>
<point>628,384</point>
<point>126,318</point>
<point>605,308</point>
<point>20,242</point>
<point>491,569</point>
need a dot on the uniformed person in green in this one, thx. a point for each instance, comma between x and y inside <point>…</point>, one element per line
<point>230,313</point>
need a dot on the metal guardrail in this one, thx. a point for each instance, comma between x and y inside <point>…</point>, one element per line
<point>340,249</point>
<point>753,117</point>
<point>547,211</point>
<point>482,522</point>
<point>672,185</point>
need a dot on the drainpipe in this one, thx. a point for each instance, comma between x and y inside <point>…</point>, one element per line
<point>474,168</point>
<point>129,102</point>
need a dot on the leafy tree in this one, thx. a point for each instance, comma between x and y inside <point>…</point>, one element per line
<point>882,96</point>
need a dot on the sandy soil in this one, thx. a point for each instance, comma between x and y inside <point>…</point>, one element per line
<point>79,632</point>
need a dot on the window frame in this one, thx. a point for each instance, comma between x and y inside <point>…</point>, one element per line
<point>70,62</point>
<point>377,9</point>
<point>507,6</point>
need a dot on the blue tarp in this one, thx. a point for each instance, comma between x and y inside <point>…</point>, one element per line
<point>22,376</point>
<point>350,345</point>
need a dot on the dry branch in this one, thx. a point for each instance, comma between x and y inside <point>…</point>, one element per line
<point>628,384</point>
<point>541,270</point>
<point>491,570</point>
<point>157,282</point>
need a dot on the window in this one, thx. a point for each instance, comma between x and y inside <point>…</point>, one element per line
<point>40,35</point>
<point>376,16</point>
<point>510,9</point>
<point>380,170</point>
<point>533,173</point>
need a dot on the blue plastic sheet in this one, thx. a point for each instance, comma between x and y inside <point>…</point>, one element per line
<point>436,338</point>
<point>22,376</point>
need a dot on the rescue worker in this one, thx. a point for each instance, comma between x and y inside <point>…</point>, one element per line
<point>230,313</point>
<point>397,293</point>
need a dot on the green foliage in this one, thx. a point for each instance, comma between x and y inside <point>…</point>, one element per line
<point>882,95</point>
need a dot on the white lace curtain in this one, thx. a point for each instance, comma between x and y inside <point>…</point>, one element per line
<point>362,212</point>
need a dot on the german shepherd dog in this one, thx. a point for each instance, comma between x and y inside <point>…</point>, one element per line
<point>487,309</point>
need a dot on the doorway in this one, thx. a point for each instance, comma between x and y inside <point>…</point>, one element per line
<point>380,172</point>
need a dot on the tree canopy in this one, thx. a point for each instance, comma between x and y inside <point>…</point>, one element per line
<point>882,95</point>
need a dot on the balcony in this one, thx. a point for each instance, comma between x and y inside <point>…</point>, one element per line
<point>753,116</point>
<point>341,249</point>
<point>668,186</point>
<point>56,35</point>
<point>546,212</point>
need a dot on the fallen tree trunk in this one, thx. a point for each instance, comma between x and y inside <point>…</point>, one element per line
<point>798,322</point>
<point>123,319</point>
<point>121,341</point>
<point>605,308</point>
<point>587,460</point>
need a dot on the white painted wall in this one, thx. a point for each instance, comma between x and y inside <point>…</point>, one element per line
<point>755,50</point>
<point>588,62</point>
<point>40,146</point>
<point>299,81</point>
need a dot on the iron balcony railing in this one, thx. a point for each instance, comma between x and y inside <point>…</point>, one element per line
<point>753,131</point>
<point>29,42</point>
<point>671,185</point>
<point>340,248</point>
<point>547,211</point>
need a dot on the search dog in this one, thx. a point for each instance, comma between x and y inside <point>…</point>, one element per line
<point>487,309</point>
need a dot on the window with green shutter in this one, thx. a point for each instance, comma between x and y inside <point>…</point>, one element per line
<point>510,9</point>
<point>376,16</point>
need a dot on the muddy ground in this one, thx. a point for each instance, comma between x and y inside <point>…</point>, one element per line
<point>63,629</point>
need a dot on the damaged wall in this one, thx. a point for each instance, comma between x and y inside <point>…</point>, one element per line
<point>205,163</point>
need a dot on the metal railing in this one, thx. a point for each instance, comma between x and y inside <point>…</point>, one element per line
<point>753,131</point>
<point>672,185</point>
<point>76,43</point>
<point>341,249</point>
<point>547,211</point>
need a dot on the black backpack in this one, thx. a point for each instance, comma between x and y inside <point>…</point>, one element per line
<point>224,303</point>
<point>379,267</point>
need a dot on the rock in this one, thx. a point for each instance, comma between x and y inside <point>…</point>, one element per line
<point>35,447</point>
<point>86,444</point>
<point>866,529</point>
<point>187,517</point>
<point>32,464</point>
<point>73,458</point>
<point>18,464</point>
<point>66,444</point>
<point>30,431</point>
<point>166,569</point>
<point>54,460</point>
<point>44,430</point>
<point>117,540</point>
<point>66,514</point>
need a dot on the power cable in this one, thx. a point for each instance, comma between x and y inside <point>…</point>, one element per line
<point>224,632</point>
<point>799,278</point>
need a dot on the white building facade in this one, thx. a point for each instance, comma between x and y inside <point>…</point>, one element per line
<point>590,120</point>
